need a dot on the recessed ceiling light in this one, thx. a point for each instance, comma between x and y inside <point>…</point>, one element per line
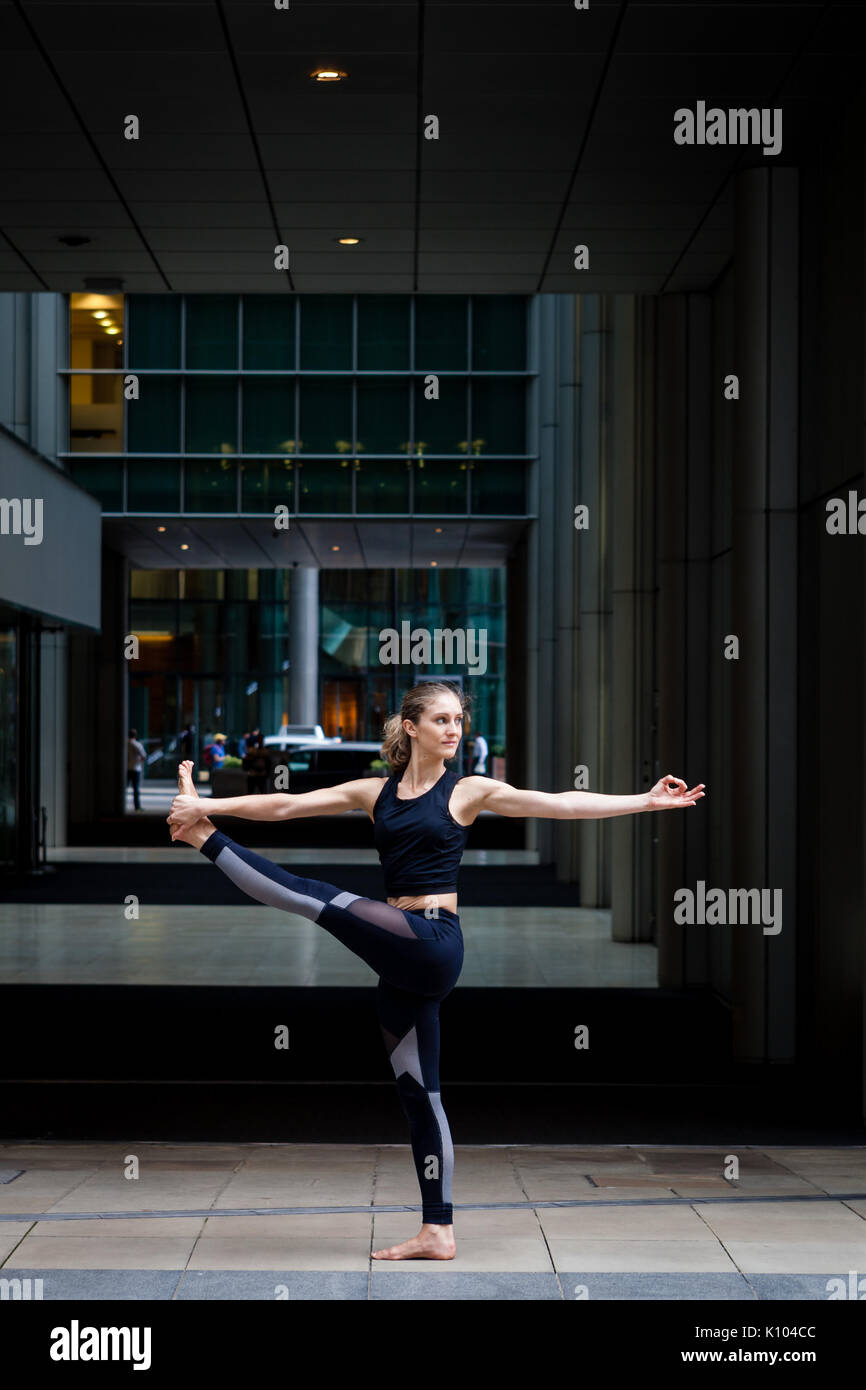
<point>160,528</point>
<point>112,330</point>
<point>184,547</point>
<point>335,547</point>
<point>328,75</point>
<point>100,314</point>
<point>348,240</point>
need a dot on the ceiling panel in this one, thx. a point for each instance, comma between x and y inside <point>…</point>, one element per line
<point>555,125</point>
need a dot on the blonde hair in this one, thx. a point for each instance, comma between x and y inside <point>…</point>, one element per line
<point>396,744</point>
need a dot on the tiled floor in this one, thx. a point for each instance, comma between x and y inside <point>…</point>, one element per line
<point>266,1221</point>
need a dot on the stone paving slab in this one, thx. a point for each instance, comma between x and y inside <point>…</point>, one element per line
<point>135,1285</point>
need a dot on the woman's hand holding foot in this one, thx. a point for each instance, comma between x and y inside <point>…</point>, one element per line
<point>187,820</point>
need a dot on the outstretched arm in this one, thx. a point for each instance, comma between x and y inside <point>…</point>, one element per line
<point>325,801</point>
<point>515,801</point>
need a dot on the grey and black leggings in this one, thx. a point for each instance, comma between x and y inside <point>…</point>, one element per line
<point>418,961</point>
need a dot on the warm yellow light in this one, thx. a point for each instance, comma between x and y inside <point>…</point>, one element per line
<point>434,563</point>
<point>335,547</point>
<point>155,636</point>
<point>328,74</point>
<point>160,528</point>
<point>99,314</point>
<point>112,330</point>
<point>348,240</point>
<point>184,546</point>
<point>438,530</point>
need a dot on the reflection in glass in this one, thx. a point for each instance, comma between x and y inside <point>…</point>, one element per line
<point>211,330</point>
<point>211,415</point>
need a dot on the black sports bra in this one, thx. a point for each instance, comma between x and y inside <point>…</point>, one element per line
<point>420,843</point>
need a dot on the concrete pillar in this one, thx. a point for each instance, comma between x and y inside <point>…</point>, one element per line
<point>47,392</point>
<point>764,604</point>
<point>304,646</point>
<point>549,636</point>
<point>98,703</point>
<point>630,537</point>
<point>593,589</point>
<point>54,759</point>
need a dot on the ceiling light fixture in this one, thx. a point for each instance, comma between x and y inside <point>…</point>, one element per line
<point>328,75</point>
<point>348,240</point>
<point>99,314</point>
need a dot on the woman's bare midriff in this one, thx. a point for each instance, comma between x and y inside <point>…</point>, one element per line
<point>431,900</point>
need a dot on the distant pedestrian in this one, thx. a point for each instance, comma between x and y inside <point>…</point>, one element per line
<point>215,752</point>
<point>136,754</point>
<point>479,755</point>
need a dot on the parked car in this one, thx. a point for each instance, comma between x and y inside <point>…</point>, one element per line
<point>313,765</point>
<point>292,734</point>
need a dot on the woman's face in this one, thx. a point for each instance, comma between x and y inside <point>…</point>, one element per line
<point>440,727</point>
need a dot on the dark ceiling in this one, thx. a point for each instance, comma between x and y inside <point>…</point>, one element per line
<point>555,128</point>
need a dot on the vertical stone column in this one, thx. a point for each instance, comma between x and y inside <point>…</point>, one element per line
<point>54,760</point>
<point>630,536</point>
<point>764,604</point>
<point>304,646</point>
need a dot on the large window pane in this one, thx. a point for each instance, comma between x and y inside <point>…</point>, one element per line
<point>383,332</point>
<point>498,333</point>
<point>211,415</point>
<point>440,425</point>
<point>211,330</point>
<point>202,584</point>
<point>499,485</point>
<point>210,486</point>
<point>153,584</point>
<point>326,416</point>
<point>96,409</point>
<point>325,485</point>
<point>326,332</point>
<point>153,330</point>
<point>267,484</point>
<point>153,485</point>
<point>269,332</point>
<point>102,478</point>
<point>153,421</point>
<point>269,415</point>
<point>382,485</point>
<point>440,485</point>
<point>440,332</point>
<point>383,415</point>
<point>200,646</point>
<point>499,416</point>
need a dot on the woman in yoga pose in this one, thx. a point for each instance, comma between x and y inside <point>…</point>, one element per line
<point>421,815</point>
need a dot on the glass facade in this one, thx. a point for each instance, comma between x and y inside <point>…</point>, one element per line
<point>214,651</point>
<point>356,404</point>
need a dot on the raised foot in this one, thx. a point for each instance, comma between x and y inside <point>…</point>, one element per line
<point>185,785</point>
<point>431,1243</point>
